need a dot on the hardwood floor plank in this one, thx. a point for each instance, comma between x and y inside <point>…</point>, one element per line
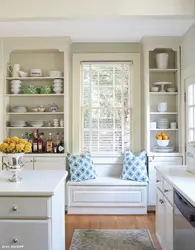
<point>110,222</point>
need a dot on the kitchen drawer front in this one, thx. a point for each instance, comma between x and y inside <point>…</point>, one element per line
<point>93,196</point>
<point>168,191</point>
<point>25,207</point>
<point>177,160</point>
<point>25,234</point>
<point>159,181</point>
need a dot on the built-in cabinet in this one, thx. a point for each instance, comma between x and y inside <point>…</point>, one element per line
<point>164,213</point>
<point>159,121</point>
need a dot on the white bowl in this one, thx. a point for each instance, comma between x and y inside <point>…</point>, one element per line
<point>171,89</point>
<point>23,74</point>
<point>162,143</point>
<point>55,73</point>
<point>154,89</point>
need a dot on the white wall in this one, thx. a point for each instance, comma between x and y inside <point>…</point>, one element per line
<point>44,9</point>
<point>188,48</point>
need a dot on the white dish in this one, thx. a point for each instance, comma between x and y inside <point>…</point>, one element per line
<point>23,74</point>
<point>58,81</point>
<point>162,143</point>
<point>171,89</point>
<point>55,73</point>
<point>16,82</point>
<point>57,84</point>
<point>154,89</point>
<point>164,149</point>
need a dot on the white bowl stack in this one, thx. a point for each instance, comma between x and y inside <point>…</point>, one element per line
<point>36,124</point>
<point>163,123</point>
<point>57,86</point>
<point>15,86</point>
<point>19,109</point>
<point>17,123</point>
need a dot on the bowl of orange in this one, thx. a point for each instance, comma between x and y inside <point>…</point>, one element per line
<point>162,139</point>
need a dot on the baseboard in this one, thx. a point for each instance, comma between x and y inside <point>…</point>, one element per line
<point>151,208</point>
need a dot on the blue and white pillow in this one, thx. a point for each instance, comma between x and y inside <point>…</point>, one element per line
<point>135,167</point>
<point>81,167</point>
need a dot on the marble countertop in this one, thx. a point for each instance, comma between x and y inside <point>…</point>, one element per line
<point>182,180</point>
<point>34,183</point>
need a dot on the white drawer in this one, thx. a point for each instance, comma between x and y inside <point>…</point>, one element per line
<point>25,207</point>
<point>168,191</point>
<point>29,234</point>
<point>170,159</point>
<point>159,181</point>
<point>117,196</point>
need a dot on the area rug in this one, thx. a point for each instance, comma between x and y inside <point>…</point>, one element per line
<point>111,239</point>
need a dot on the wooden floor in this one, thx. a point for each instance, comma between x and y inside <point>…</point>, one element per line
<point>110,221</point>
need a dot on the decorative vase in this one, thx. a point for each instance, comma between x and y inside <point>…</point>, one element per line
<point>15,165</point>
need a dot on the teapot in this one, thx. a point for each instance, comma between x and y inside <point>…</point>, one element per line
<point>53,107</point>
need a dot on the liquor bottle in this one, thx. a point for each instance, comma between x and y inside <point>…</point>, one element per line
<point>61,145</point>
<point>25,137</point>
<point>35,143</point>
<point>39,143</point>
<point>43,143</point>
<point>56,144</point>
<point>49,145</point>
<point>31,138</point>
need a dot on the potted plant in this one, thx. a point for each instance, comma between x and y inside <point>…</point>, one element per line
<point>14,149</point>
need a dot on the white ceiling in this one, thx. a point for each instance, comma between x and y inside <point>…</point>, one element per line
<point>102,30</point>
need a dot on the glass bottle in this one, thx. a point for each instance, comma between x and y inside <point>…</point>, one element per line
<point>35,143</point>
<point>31,138</point>
<point>61,145</point>
<point>49,145</point>
<point>39,143</point>
<point>43,142</point>
<point>25,137</point>
<point>56,144</point>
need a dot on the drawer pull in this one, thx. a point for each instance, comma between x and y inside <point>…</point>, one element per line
<point>157,181</point>
<point>15,208</point>
<point>161,201</point>
<point>15,240</point>
<point>166,191</point>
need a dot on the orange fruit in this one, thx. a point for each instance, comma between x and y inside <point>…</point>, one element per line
<point>157,137</point>
<point>160,138</point>
<point>163,134</point>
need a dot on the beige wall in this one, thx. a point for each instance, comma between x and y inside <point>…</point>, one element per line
<point>188,48</point>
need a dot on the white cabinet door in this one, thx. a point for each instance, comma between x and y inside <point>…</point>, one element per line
<point>49,163</point>
<point>160,216</point>
<point>25,234</point>
<point>168,233</point>
<point>152,174</point>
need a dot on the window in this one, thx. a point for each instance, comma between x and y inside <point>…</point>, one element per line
<point>190,96</point>
<point>106,106</point>
<point>106,103</point>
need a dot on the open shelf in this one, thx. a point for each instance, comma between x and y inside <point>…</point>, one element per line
<point>163,113</point>
<point>163,93</point>
<point>34,78</point>
<point>33,95</point>
<point>36,113</point>
<point>34,127</point>
<point>161,129</point>
<point>163,70</point>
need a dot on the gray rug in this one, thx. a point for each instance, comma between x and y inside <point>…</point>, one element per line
<point>111,239</point>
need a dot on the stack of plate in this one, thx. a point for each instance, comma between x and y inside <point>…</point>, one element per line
<point>17,123</point>
<point>167,149</point>
<point>163,123</point>
<point>19,109</point>
<point>36,123</point>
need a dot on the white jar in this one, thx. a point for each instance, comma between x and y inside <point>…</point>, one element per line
<point>61,123</point>
<point>173,125</point>
<point>162,106</point>
<point>153,125</point>
<point>162,60</point>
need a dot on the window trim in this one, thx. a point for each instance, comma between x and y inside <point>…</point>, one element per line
<point>77,92</point>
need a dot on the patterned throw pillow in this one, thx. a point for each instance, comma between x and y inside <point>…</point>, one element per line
<point>81,167</point>
<point>135,167</point>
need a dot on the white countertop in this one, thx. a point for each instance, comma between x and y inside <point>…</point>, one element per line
<point>182,180</point>
<point>34,183</point>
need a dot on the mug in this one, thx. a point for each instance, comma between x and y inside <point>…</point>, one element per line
<point>162,107</point>
<point>173,125</point>
<point>14,69</point>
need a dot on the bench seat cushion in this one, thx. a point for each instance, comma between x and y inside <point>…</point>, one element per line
<point>107,181</point>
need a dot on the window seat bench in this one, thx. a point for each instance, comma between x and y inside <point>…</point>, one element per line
<point>107,195</point>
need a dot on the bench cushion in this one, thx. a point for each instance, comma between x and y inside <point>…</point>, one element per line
<point>107,181</point>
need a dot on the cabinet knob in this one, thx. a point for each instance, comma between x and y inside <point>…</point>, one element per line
<point>15,240</point>
<point>157,181</point>
<point>166,191</point>
<point>15,208</point>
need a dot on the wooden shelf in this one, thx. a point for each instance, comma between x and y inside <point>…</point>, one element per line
<point>163,93</point>
<point>34,127</point>
<point>34,78</point>
<point>36,113</point>
<point>163,113</point>
<point>163,70</point>
<point>168,129</point>
<point>33,95</point>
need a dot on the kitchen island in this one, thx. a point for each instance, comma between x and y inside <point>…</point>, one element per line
<point>174,184</point>
<point>32,212</point>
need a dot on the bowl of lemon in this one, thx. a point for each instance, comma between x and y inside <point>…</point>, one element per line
<point>162,139</point>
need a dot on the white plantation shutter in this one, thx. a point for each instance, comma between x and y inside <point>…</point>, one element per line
<point>106,106</point>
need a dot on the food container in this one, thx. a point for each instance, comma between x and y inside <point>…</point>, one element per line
<point>35,72</point>
<point>162,106</point>
<point>154,89</point>
<point>45,89</point>
<point>153,125</point>
<point>30,90</point>
<point>162,143</point>
<point>55,73</point>
<point>162,60</point>
<point>171,89</point>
